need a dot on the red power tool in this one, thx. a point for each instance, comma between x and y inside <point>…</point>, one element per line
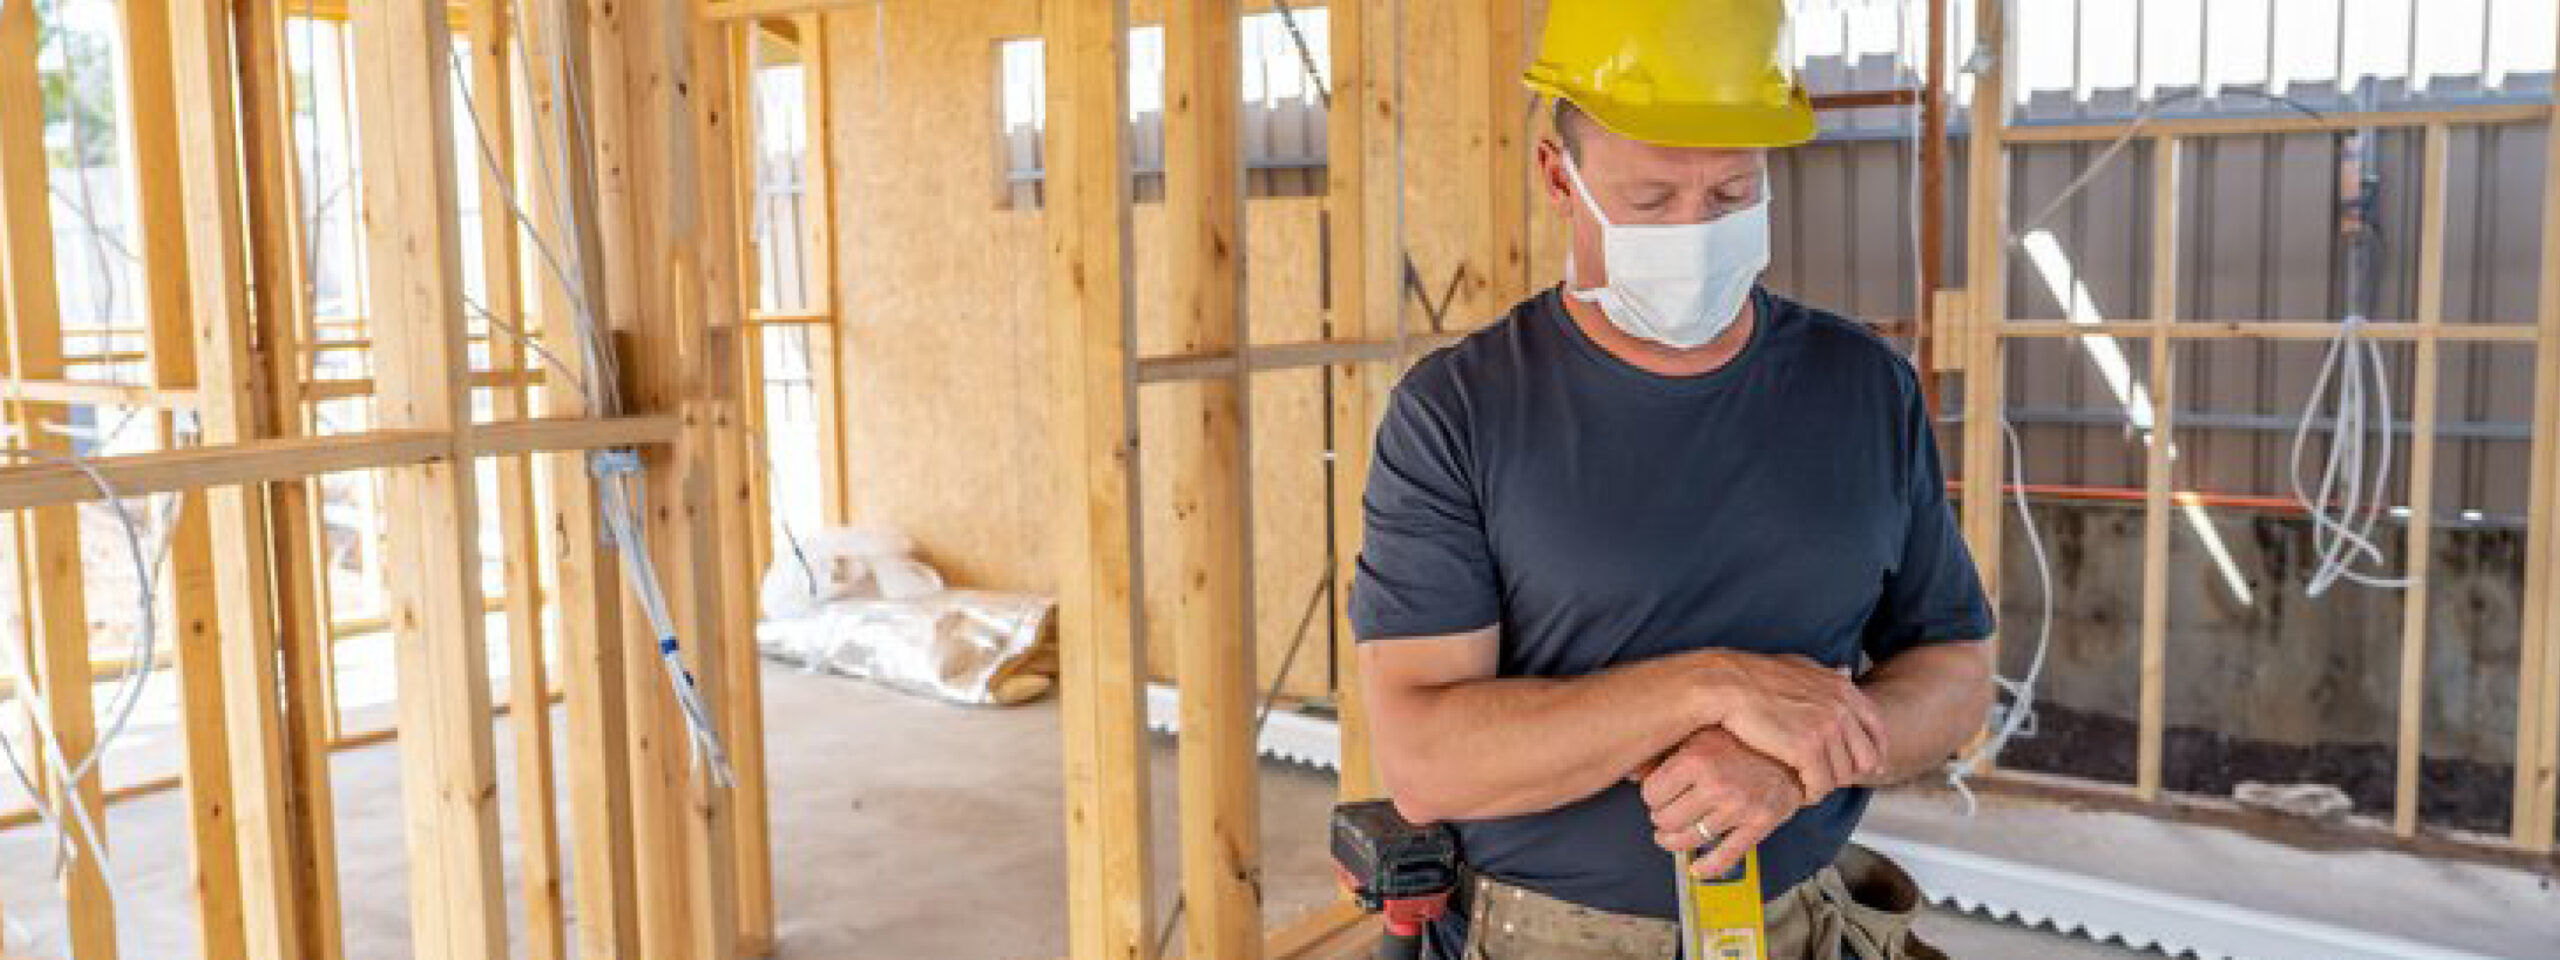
<point>1395,868</point>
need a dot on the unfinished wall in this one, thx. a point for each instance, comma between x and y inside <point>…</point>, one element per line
<point>947,374</point>
<point>946,365</point>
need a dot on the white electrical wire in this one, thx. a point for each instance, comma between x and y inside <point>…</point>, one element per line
<point>2354,489</point>
<point>2017,717</point>
<point>2355,480</point>
<point>83,831</point>
<point>616,471</point>
<point>83,836</point>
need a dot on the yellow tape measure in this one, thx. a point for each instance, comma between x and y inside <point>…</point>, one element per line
<point>1720,917</point>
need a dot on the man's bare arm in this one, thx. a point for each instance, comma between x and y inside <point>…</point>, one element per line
<point>1454,742</point>
<point>1933,698</point>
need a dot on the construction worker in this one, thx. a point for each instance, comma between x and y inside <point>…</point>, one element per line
<point>1661,560</point>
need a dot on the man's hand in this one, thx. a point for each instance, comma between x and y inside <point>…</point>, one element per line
<point>1800,713</point>
<point>1715,784</point>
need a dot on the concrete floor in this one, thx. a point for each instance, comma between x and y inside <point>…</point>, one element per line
<point>905,828</point>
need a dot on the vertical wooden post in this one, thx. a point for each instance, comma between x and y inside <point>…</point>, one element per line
<point>57,614</point>
<point>587,578</point>
<point>680,329</point>
<point>748,502</point>
<point>1987,253</point>
<point>2419,553</point>
<point>187,590</point>
<point>625,64</point>
<point>1933,205</point>
<point>736,869</point>
<point>1101,666</point>
<point>818,207</point>
<point>1212,499</point>
<point>284,915</point>
<point>412,236</point>
<point>2538,718</point>
<point>1504,247</point>
<point>299,662</point>
<point>528,682</point>
<point>2152,717</point>
<point>1358,149</point>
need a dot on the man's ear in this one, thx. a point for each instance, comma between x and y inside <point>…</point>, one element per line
<point>1553,184</point>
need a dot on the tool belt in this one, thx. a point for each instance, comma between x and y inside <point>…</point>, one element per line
<point>1859,907</point>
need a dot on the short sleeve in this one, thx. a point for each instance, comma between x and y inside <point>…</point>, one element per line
<point>1426,567</point>
<point>1932,594</point>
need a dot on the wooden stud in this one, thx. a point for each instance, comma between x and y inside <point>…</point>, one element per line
<point>187,590</point>
<point>818,209</point>
<point>493,118</point>
<point>1213,624</point>
<point>49,539</point>
<point>737,865</point>
<point>2420,550</point>
<point>1987,257</point>
<point>2538,718</point>
<point>403,54</point>
<point>1101,661</point>
<point>283,916</point>
<point>2152,719</point>
<point>587,576</point>
<point>1933,206</point>
<point>674,195</point>
<point>276,407</point>
<point>1359,159</point>
<point>747,498</point>
<point>628,65</point>
<point>1504,254</point>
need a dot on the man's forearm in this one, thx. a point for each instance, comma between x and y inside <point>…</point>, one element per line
<point>1479,749</point>
<point>1933,698</point>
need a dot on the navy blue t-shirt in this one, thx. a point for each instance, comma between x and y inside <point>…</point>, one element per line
<point>1789,502</point>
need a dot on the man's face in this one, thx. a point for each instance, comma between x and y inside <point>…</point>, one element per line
<point>1642,183</point>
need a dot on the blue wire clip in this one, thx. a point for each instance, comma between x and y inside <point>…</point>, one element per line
<point>614,462</point>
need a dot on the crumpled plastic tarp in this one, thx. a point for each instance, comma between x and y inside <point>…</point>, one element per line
<point>861,606</point>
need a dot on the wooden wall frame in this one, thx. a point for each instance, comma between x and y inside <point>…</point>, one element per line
<point>209,81</point>
<point>1987,327</point>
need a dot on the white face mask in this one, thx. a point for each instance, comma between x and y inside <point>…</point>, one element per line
<point>1676,284</point>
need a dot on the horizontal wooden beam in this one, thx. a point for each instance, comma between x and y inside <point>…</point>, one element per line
<point>740,9</point>
<point>339,389</point>
<point>1335,931</point>
<point>2356,834</point>
<point>93,393</point>
<point>541,434</point>
<point>457,15</point>
<point>1855,99</point>
<point>1265,358</point>
<point>2478,115</point>
<point>789,318</point>
<point>23,816</point>
<point>262,461</point>
<point>2270,330</point>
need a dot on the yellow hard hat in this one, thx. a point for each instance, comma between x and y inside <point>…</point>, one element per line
<point>1681,73</point>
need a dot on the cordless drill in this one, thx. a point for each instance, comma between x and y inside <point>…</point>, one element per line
<point>1395,868</point>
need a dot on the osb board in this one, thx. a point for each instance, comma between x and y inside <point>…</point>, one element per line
<point>1284,299</point>
<point>945,367</point>
<point>1446,211</point>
